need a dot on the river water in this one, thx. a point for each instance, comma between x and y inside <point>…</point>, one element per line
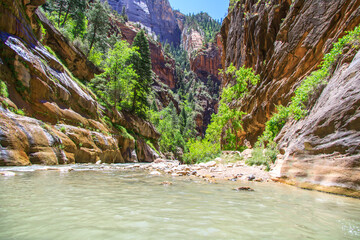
<point>93,203</point>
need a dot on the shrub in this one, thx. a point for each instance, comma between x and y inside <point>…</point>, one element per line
<point>3,89</point>
<point>263,156</point>
<point>201,150</point>
<point>297,108</point>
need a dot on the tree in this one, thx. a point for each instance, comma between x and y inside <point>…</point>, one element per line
<point>115,85</point>
<point>98,23</point>
<point>123,14</point>
<point>142,66</point>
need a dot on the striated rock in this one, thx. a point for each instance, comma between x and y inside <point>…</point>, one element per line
<point>67,122</point>
<point>207,62</point>
<point>163,66</point>
<point>75,60</point>
<point>156,15</point>
<point>283,43</point>
<point>144,152</point>
<point>324,147</point>
<point>192,40</point>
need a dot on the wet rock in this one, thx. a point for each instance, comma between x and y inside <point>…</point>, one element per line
<point>157,173</point>
<point>251,178</point>
<point>166,183</point>
<point>210,164</point>
<point>159,160</point>
<point>7,174</point>
<point>244,189</point>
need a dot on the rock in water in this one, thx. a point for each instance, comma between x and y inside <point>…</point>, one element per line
<point>7,174</point>
<point>166,183</point>
<point>155,173</point>
<point>244,189</point>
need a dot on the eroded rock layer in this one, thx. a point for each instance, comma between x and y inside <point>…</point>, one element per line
<point>64,122</point>
<point>284,41</point>
<point>156,15</point>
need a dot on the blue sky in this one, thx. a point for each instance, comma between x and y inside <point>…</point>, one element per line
<point>215,8</point>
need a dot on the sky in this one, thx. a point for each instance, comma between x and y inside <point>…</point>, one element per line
<point>215,8</point>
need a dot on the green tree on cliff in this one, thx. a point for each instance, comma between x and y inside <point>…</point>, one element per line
<point>142,66</point>
<point>115,85</point>
<point>98,24</point>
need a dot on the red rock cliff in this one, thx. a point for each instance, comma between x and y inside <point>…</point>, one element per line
<point>162,66</point>
<point>284,41</point>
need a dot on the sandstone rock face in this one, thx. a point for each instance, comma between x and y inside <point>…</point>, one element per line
<point>207,62</point>
<point>283,42</point>
<point>156,15</point>
<point>324,147</point>
<point>163,66</point>
<point>66,123</point>
<point>75,60</point>
<point>191,39</point>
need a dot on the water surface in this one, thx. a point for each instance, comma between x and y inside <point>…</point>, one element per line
<point>116,204</point>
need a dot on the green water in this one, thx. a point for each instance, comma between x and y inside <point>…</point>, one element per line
<point>118,204</point>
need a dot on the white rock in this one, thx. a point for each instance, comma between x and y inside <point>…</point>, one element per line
<point>247,153</point>
<point>202,165</point>
<point>7,174</point>
<point>98,162</point>
<point>155,173</point>
<point>210,164</point>
<point>66,169</point>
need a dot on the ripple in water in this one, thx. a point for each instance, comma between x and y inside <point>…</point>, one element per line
<point>93,203</point>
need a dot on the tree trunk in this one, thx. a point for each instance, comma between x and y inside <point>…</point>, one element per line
<point>92,41</point>
<point>67,13</point>
<point>134,101</point>
<point>60,11</point>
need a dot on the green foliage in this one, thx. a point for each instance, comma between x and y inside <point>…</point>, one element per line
<point>204,24</point>
<point>232,4</point>
<point>149,143</point>
<point>98,27</point>
<point>228,120</point>
<point>19,86</point>
<point>142,66</point>
<point>263,156</point>
<point>116,84</point>
<point>3,89</point>
<point>122,130</point>
<point>17,111</point>
<point>201,150</point>
<point>63,129</point>
<point>175,130</point>
<point>297,109</point>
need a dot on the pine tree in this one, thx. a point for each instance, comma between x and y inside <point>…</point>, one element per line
<point>142,67</point>
<point>98,23</point>
<point>124,15</point>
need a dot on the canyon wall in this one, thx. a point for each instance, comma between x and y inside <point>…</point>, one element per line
<point>156,15</point>
<point>284,41</point>
<point>64,122</point>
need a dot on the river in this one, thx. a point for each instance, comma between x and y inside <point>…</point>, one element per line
<point>95,203</point>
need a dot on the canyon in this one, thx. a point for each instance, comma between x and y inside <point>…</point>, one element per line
<point>281,40</point>
<point>284,41</point>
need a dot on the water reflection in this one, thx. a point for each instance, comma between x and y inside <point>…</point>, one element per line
<point>105,202</point>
